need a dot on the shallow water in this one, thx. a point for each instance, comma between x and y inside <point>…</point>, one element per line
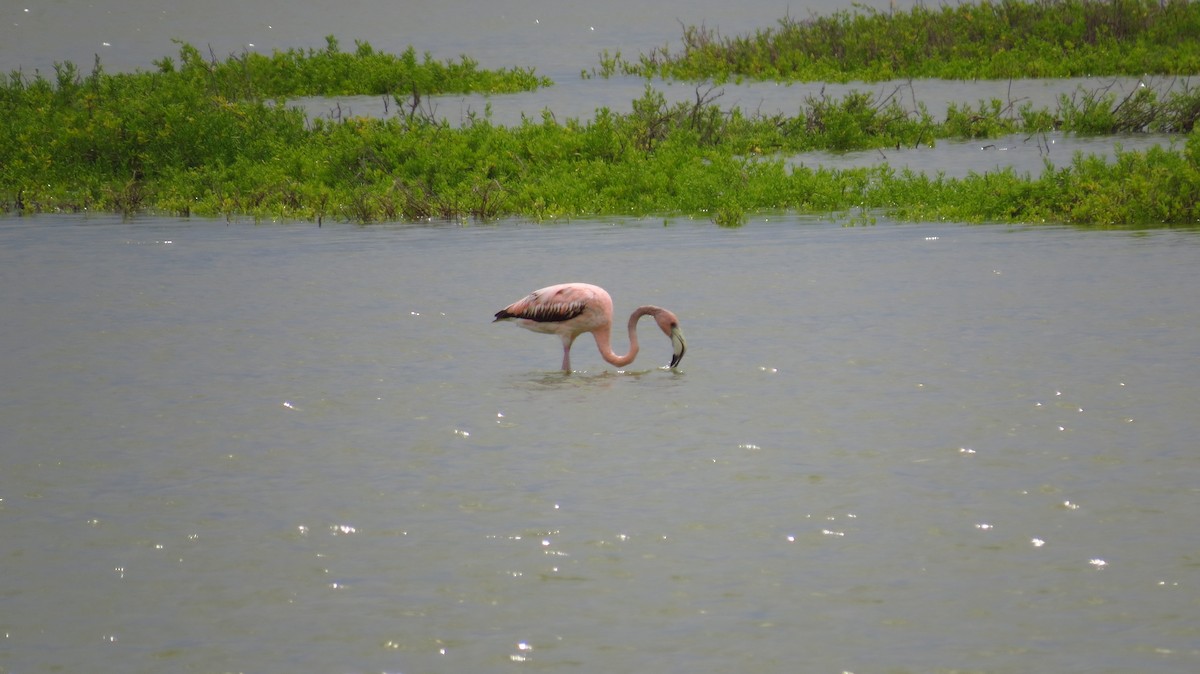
<point>1023,154</point>
<point>901,448</point>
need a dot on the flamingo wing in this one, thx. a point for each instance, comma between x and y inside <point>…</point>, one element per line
<point>555,304</point>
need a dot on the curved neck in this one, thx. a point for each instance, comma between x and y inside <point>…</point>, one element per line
<point>604,341</point>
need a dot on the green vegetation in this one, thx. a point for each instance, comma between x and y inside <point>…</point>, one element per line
<point>332,72</point>
<point>987,40</point>
<point>216,138</point>
<point>1155,187</point>
<point>129,144</point>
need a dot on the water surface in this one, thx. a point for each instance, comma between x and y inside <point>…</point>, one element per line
<point>901,448</point>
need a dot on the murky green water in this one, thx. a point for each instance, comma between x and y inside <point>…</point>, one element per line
<point>898,448</point>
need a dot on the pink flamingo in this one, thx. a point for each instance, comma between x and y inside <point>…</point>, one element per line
<point>571,309</point>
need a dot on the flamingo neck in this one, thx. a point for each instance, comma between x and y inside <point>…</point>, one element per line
<point>604,341</point>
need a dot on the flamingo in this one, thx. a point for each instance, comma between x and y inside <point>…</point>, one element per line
<point>571,309</point>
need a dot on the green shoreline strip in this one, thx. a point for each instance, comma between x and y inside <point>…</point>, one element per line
<point>215,138</point>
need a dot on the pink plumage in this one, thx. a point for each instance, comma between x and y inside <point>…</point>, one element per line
<point>571,309</point>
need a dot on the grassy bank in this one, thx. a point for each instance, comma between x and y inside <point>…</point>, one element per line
<point>202,137</point>
<point>92,146</point>
<point>986,40</point>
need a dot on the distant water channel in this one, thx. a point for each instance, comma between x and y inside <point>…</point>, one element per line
<point>898,448</point>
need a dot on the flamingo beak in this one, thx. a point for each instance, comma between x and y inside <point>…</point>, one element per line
<point>678,346</point>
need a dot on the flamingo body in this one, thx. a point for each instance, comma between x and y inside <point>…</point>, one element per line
<point>571,309</point>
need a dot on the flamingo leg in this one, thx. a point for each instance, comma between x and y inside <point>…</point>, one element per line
<point>567,340</point>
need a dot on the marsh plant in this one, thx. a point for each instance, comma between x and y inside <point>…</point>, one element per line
<point>205,136</point>
<point>332,72</point>
<point>986,40</point>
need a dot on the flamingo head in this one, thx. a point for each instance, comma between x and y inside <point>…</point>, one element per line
<point>669,324</point>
